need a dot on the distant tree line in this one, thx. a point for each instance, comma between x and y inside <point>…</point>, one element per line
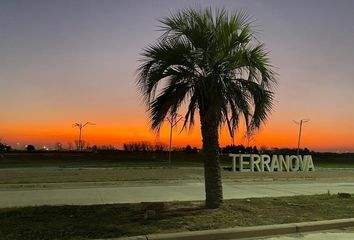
<point>143,146</point>
<point>101,148</point>
<point>30,148</point>
<point>190,149</point>
<point>287,151</point>
<point>239,149</point>
<point>4,147</point>
<point>262,150</point>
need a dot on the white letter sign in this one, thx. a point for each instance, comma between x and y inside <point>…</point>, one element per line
<point>276,163</point>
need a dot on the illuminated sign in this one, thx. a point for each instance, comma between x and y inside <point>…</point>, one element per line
<point>276,163</point>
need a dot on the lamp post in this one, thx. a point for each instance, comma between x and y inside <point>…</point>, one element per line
<point>302,121</point>
<point>173,122</point>
<point>80,126</point>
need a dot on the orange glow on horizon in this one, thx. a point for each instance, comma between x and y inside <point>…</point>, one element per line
<point>268,136</point>
<point>65,63</point>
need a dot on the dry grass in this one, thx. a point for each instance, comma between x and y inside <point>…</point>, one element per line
<point>103,221</point>
<point>72,175</point>
<point>67,167</point>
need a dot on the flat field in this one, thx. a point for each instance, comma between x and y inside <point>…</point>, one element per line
<point>140,159</point>
<point>25,176</point>
<point>66,167</point>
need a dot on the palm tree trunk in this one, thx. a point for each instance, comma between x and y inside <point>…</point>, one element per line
<point>212,173</point>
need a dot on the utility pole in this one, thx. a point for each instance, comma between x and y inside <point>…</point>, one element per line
<point>80,126</point>
<point>173,122</point>
<point>302,121</point>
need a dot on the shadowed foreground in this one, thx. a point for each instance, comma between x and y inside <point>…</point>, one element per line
<point>100,221</point>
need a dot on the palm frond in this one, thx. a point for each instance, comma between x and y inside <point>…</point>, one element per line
<point>212,61</point>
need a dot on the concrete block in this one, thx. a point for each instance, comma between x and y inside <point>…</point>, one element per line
<point>324,225</point>
<point>142,237</point>
<point>230,233</point>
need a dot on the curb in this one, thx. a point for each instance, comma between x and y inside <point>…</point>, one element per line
<point>247,232</point>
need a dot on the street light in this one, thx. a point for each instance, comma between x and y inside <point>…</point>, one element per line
<point>173,122</point>
<point>80,126</point>
<point>302,121</point>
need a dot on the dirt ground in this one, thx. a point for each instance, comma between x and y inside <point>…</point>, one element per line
<point>69,175</point>
<point>117,220</point>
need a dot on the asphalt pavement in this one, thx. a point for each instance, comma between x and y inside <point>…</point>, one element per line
<point>84,194</point>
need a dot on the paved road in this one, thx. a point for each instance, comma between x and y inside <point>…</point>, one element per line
<point>347,234</point>
<point>144,192</point>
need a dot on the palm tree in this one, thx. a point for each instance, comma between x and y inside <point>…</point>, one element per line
<point>211,62</point>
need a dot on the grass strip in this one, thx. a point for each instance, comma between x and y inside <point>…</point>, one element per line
<point>117,220</point>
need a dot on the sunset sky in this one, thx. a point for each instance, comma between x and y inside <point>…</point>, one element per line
<point>71,61</point>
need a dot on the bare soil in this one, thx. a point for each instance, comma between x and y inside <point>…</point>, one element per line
<point>71,175</point>
<point>117,220</point>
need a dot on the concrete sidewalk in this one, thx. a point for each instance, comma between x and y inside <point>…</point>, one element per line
<point>146,192</point>
<point>277,231</point>
<point>342,234</point>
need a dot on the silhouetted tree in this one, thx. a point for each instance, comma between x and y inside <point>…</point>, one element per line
<point>306,151</point>
<point>248,150</point>
<point>2,147</point>
<point>234,149</point>
<point>178,149</point>
<point>30,148</point>
<point>263,149</point>
<point>126,147</point>
<point>189,149</point>
<point>215,64</point>
<point>144,147</point>
<point>107,147</point>
<point>160,147</point>
<point>94,148</point>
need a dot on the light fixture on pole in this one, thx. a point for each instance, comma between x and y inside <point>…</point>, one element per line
<point>173,120</point>
<point>302,121</point>
<point>80,126</point>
